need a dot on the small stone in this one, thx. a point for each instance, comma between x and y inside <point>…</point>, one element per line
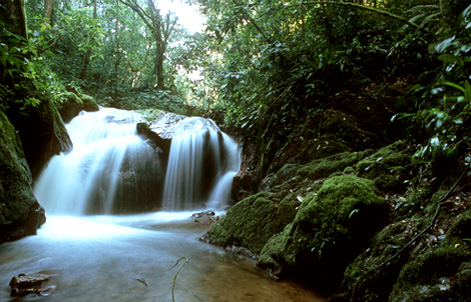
<point>40,284</point>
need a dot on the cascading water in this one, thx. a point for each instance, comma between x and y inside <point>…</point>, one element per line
<point>202,164</point>
<point>113,170</point>
<point>127,258</point>
<point>108,167</point>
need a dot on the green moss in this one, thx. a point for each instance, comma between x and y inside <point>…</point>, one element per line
<point>322,168</point>
<point>329,230</point>
<point>439,274</point>
<point>72,103</point>
<point>88,102</point>
<point>387,167</point>
<point>20,213</point>
<point>432,275</point>
<point>252,221</point>
<point>415,202</point>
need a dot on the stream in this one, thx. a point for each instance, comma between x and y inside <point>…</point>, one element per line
<point>99,247</point>
<point>130,258</point>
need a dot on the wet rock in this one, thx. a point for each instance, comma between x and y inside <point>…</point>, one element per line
<point>206,217</point>
<point>165,125</point>
<point>330,229</point>
<point>242,186</point>
<point>72,102</point>
<point>20,212</point>
<point>153,138</point>
<point>41,284</point>
<point>251,222</point>
<point>42,132</point>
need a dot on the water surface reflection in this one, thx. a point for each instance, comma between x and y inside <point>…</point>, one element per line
<point>127,258</point>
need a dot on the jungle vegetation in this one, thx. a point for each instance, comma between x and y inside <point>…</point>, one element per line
<point>262,64</point>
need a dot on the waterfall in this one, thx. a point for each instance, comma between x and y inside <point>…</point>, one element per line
<point>113,170</point>
<point>101,173</point>
<point>202,163</point>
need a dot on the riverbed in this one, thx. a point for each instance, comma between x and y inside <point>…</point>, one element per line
<point>134,258</point>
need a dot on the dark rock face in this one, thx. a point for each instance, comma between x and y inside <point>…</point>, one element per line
<point>20,212</point>
<point>42,132</point>
<point>154,139</point>
<point>139,183</point>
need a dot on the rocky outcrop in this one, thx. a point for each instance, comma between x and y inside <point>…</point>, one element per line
<point>20,212</point>
<point>330,229</point>
<point>250,223</point>
<point>73,102</point>
<point>312,222</point>
<point>42,133</point>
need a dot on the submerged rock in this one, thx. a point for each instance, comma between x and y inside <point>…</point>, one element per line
<point>206,217</point>
<point>330,229</point>
<point>20,212</point>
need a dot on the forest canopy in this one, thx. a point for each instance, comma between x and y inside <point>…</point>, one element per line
<point>261,64</point>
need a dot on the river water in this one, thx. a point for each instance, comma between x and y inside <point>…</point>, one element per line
<point>130,258</point>
<point>114,258</point>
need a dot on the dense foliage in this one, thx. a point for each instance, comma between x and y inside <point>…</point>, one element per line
<point>264,65</point>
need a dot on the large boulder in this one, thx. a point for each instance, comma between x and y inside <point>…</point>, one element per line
<point>330,229</point>
<point>251,222</point>
<point>20,212</point>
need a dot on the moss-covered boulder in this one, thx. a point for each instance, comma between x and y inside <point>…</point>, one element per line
<point>440,273</point>
<point>330,229</point>
<point>363,280</point>
<point>20,212</point>
<point>387,167</point>
<point>72,103</point>
<point>251,222</point>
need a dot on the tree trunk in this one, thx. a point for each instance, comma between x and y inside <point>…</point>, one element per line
<point>159,52</point>
<point>48,10</point>
<point>89,50</point>
<point>13,13</point>
<point>117,55</point>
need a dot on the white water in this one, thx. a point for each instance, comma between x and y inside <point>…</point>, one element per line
<point>109,258</point>
<point>90,172</point>
<point>202,158</point>
<point>112,170</point>
<point>130,258</point>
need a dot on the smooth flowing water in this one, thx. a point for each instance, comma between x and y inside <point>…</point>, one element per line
<point>202,163</point>
<point>114,258</point>
<point>130,258</point>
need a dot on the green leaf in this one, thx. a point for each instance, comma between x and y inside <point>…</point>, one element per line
<point>454,85</point>
<point>467,91</point>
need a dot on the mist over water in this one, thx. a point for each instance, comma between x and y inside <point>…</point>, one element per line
<point>202,164</point>
<point>112,170</point>
<point>110,258</point>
